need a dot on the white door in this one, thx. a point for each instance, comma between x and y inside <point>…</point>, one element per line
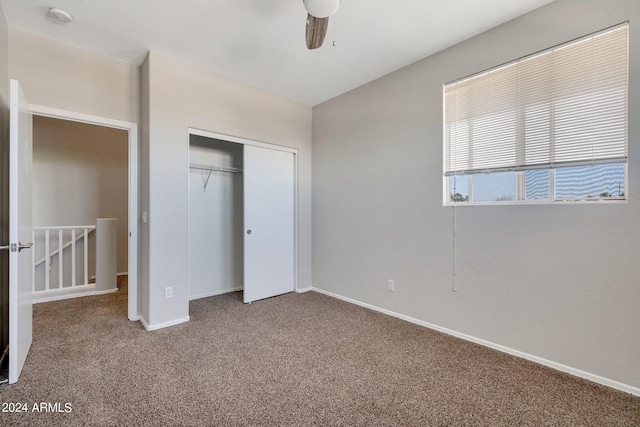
<point>20,268</point>
<point>268,223</point>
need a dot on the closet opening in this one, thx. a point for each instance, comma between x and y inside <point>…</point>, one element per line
<point>215,217</point>
<point>242,217</point>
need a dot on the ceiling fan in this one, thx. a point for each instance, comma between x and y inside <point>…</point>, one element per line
<point>318,13</point>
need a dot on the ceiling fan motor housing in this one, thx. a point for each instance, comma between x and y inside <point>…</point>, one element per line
<point>321,8</point>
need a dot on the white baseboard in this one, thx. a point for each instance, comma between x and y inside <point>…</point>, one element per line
<point>162,325</point>
<point>214,293</point>
<point>144,322</point>
<point>558,366</point>
<point>108,291</point>
<point>303,290</point>
<point>69,292</point>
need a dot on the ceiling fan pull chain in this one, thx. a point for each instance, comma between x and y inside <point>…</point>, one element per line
<point>335,23</point>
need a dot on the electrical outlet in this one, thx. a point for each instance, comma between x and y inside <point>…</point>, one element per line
<point>391,285</point>
<point>168,292</point>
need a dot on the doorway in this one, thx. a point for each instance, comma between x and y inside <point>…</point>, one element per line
<point>131,220</point>
<point>79,175</point>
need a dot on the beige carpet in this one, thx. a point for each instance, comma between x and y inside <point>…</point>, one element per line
<point>295,360</point>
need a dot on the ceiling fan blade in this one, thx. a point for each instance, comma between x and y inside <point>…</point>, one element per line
<point>316,30</point>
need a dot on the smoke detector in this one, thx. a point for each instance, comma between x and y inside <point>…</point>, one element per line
<point>60,14</point>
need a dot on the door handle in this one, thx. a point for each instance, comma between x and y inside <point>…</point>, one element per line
<point>22,246</point>
<point>17,247</point>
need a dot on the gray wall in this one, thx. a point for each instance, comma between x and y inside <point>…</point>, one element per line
<point>557,282</point>
<point>4,184</point>
<point>181,96</point>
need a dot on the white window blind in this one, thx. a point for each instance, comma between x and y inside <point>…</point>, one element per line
<point>566,106</point>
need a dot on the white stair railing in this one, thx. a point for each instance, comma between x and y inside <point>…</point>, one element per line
<point>70,232</point>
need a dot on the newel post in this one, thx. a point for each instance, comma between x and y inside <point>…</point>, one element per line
<point>106,254</point>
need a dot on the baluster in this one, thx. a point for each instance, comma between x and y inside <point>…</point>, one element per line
<point>60,260</point>
<point>33,262</point>
<point>86,256</point>
<point>73,257</point>
<point>47,260</point>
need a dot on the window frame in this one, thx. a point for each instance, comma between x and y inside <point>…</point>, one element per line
<point>521,172</point>
<point>520,188</point>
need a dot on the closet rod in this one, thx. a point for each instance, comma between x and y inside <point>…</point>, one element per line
<point>214,168</point>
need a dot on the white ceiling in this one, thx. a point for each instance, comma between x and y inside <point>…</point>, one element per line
<point>261,42</point>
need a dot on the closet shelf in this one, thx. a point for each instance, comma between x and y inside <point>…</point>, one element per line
<point>210,168</point>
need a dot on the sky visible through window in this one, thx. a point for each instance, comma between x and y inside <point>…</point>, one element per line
<point>494,187</point>
<point>588,182</point>
<point>574,183</point>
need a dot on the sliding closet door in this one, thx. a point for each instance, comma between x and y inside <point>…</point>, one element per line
<point>268,223</point>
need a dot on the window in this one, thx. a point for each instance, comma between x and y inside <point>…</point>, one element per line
<point>545,128</point>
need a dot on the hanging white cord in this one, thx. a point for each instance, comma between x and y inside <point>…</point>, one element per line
<point>334,30</point>
<point>453,275</point>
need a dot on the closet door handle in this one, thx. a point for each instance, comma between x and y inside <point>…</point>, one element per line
<point>249,231</point>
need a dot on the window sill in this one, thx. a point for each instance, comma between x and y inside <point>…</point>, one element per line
<point>542,202</point>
